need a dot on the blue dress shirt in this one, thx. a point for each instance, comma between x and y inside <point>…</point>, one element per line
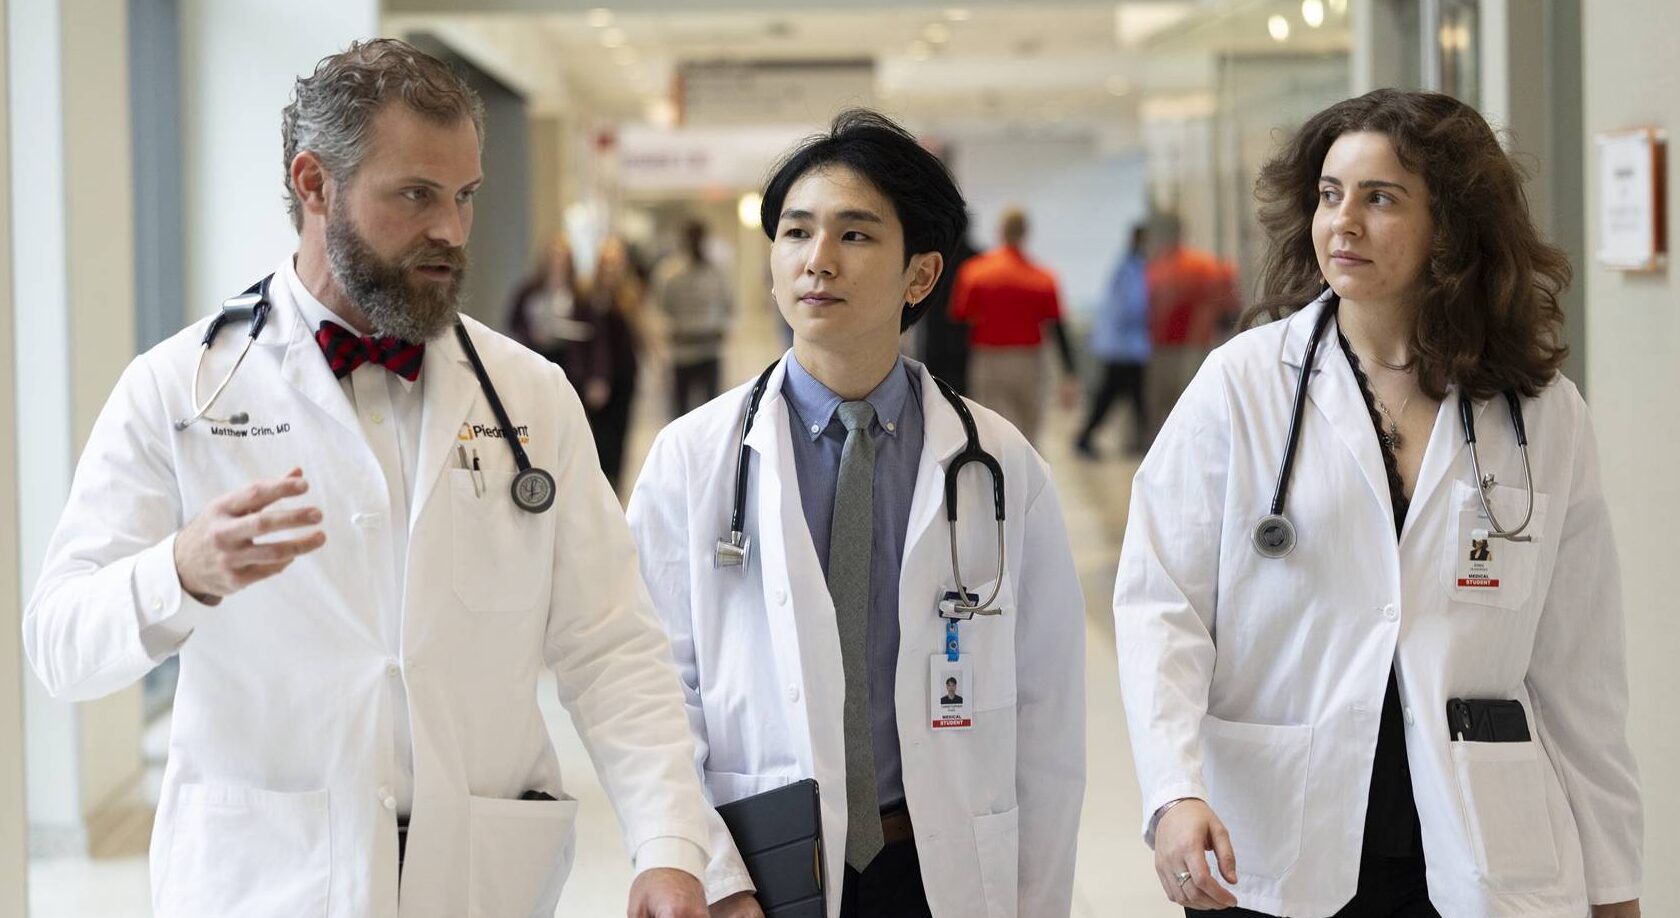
<point>817,441</point>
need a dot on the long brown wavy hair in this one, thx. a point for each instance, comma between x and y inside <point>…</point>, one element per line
<point>1489,319</point>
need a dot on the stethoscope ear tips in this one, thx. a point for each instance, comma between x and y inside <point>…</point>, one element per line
<point>1274,536</point>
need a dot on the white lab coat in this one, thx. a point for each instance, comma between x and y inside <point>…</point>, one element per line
<point>1257,684</point>
<point>995,809</point>
<point>277,797</point>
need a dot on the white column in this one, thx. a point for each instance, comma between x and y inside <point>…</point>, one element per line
<point>75,307</point>
<point>239,61</point>
<point>1633,342</point>
<point>14,861</point>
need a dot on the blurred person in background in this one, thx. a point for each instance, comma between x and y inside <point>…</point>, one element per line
<point>603,366</point>
<point>1007,301</point>
<point>693,296</point>
<point>943,341</point>
<point>541,313</point>
<point>1120,339</point>
<point>1192,304</point>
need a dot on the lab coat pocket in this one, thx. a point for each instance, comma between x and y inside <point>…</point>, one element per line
<point>248,852</point>
<point>1503,788</point>
<point>503,554</point>
<point>521,852</point>
<point>1256,776</point>
<point>998,838</point>
<point>727,787</point>
<point>1494,572</point>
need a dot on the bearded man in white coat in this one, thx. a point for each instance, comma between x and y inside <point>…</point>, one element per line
<point>361,605</point>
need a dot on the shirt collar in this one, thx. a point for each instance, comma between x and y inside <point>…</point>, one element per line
<point>314,312</point>
<point>815,403</point>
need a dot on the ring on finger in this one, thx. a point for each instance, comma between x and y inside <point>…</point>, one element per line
<point>1181,878</point>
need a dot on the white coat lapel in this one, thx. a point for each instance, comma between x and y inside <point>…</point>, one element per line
<point>803,633</point>
<point>1445,452</point>
<point>942,439</point>
<point>450,391</point>
<point>303,366</point>
<point>1334,392</point>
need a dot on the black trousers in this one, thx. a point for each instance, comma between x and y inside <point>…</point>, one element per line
<point>1389,887</point>
<point>610,424</point>
<point>890,887</point>
<point>693,385</point>
<point>1119,379</point>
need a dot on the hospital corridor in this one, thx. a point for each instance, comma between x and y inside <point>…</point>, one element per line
<point>883,459</point>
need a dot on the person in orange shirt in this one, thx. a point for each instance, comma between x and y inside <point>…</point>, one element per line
<point>1192,304</point>
<point>1007,301</point>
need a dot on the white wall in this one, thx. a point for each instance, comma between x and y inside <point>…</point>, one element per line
<point>1081,202</point>
<point>1633,365</point>
<point>14,865</point>
<point>240,59</point>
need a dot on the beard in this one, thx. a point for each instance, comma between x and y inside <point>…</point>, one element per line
<point>392,303</point>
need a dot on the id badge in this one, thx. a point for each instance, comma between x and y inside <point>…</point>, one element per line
<point>1480,557</point>
<point>951,692</point>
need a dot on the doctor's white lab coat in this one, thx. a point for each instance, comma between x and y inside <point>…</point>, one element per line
<point>996,808</point>
<point>1257,684</point>
<point>277,797</point>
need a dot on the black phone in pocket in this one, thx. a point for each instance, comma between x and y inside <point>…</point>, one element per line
<point>1482,720</point>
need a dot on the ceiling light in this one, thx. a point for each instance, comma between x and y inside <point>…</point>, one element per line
<point>662,112</point>
<point>1279,27</point>
<point>919,51</point>
<point>1312,13</point>
<point>600,17</point>
<point>937,33</point>
<point>614,38</point>
<point>958,14</point>
<point>1118,85</point>
<point>1137,21</point>
<point>747,208</point>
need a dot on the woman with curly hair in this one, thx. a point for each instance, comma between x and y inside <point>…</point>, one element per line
<point>1368,606</point>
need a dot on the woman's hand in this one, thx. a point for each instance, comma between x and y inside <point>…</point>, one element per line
<point>1183,837</point>
<point>1628,909</point>
<point>740,905</point>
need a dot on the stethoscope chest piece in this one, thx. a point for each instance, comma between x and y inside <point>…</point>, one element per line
<point>533,490</point>
<point>1274,536</point>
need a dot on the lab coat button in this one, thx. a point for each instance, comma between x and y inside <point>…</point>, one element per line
<point>393,670</point>
<point>1390,613</point>
<point>781,597</point>
<point>387,799</point>
<point>793,693</point>
<point>1410,720</point>
<point>157,605</point>
<point>378,418</point>
<point>365,520</point>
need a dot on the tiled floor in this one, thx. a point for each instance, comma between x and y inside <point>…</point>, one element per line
<point>1114,875</point>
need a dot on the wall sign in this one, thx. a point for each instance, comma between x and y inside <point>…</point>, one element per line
<point>1632,200</point>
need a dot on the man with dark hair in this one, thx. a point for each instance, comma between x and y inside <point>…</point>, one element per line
<point>361,717</point>
<point>812,638</point>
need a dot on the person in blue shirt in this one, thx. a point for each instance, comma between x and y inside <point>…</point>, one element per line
<point>1120,339</point>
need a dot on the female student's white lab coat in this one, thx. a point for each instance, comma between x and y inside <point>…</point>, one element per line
<point>278,794</point>
<point>995,809</point>
<point>1257,684</point>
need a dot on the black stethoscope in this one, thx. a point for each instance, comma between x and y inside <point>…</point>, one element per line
<point>733,549</point>
<point>1274,535</point>
<point>532,489</point>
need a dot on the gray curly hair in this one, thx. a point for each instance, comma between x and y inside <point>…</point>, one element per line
<point>331,108</point>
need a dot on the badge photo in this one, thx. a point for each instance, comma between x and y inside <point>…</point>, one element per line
<point>950,693</point>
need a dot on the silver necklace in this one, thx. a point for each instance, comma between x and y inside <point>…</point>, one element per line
<point>1390,435</point>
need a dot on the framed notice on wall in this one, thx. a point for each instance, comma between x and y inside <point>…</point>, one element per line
<point>1632,200</point>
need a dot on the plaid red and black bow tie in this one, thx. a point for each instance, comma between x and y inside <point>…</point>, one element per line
<point>345,351</point>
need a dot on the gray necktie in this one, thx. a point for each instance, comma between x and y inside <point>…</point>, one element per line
<point>851,539</point>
